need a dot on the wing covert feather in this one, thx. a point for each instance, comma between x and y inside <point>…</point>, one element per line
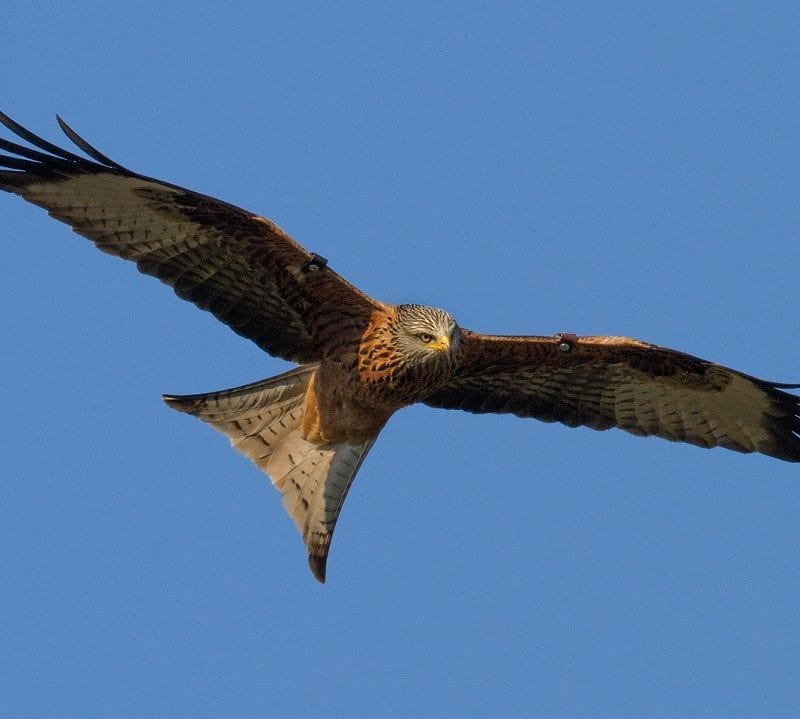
<point>604,382</point>
<point>240,267</point>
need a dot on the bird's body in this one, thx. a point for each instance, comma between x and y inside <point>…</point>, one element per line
<point>357,386</point>
<point>360,360</point>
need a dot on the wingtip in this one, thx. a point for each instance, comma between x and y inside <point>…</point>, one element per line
<point>90,150</point>
<point>13,125</point>
<point>66,129</point>
<point>62,123</point>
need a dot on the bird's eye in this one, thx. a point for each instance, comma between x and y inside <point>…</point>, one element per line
<point>425,337</point>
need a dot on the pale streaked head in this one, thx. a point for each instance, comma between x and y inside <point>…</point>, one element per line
<point>425,332</point>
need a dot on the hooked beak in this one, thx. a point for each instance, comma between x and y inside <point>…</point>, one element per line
<point>441,344</point>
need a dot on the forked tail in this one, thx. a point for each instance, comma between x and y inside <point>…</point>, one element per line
<point>262,421</point>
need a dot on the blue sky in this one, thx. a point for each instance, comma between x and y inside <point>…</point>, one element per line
<point>613,168</point>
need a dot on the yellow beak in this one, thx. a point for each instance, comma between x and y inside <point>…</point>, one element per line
<point>441,344</point>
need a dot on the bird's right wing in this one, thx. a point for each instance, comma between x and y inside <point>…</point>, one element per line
<point>240,267</point>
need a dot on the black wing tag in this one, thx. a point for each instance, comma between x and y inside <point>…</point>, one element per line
<point>317,263</point>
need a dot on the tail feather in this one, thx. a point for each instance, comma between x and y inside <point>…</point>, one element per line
<point>262,421</point>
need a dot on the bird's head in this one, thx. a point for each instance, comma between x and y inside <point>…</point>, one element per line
<point>426,333</point>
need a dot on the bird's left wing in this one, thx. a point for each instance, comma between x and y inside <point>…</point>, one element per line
<point>604,382</point>
<point>240,267</point>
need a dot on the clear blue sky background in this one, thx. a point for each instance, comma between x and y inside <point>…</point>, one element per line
<point>616,168</point>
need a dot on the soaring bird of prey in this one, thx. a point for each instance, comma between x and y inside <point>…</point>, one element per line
<point>360,359</point>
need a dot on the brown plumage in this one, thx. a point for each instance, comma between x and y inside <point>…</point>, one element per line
<point>360,359</point>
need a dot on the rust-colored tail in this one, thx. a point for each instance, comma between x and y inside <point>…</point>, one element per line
<point>263,421</point>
